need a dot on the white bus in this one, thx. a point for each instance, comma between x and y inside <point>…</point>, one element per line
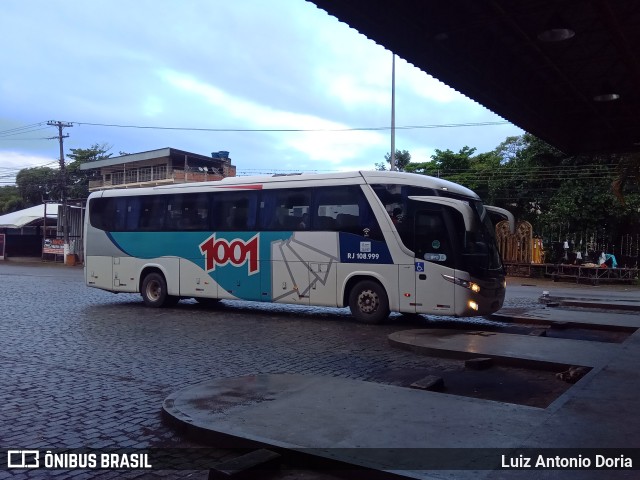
<point>374,241</point>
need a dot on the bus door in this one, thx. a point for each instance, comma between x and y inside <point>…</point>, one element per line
<point>437,244</point>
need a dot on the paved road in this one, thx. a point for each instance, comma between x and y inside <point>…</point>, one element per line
<point>87,368</point>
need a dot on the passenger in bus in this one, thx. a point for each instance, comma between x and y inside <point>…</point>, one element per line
<point>190,220</point>
<point>237,219</point>
<point>277,222</point>
<point>396,216</point>
<point>231,218</point>
<point>304,222</point>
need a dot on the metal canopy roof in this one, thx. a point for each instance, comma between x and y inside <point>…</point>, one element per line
<point>491,52</point>
<point>28,216</point>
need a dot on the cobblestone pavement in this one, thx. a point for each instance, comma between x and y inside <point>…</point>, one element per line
<point>87,368</point>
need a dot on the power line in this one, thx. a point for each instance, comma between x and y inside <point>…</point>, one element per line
<point>24,127</point>
<point>354,129</point>
<point>33,166</point>
<point>13,132</point>
<point>28,138</point>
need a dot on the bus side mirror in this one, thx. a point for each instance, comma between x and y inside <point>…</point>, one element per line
<point>503,215</point>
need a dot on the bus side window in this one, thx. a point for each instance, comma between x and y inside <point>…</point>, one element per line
<point>152,210</point>
<point>133,214</point>
<point>324,222</point>
<point>235,211</point>
<point>237,218</point>
<point>119,214</point>
<point>345,209</point>
<point>173,212</point>
<point>194,212</point>
<point>285,209</point>
<point>348,223</point>
<point>102,213</point>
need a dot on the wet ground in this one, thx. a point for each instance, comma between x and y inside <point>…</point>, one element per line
<point>87,368</point>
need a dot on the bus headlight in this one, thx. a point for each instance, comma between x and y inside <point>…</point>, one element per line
<point>473,305</point>
<point>474,287</point>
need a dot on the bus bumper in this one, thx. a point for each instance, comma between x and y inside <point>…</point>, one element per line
<point>488,299</point>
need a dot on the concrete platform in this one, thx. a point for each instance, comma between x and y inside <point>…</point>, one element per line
<point>550,315</point>
<point>628,305</point>
<point>379,426</point>
<point>613,302</point>
<point>361,423</point>
<point>507,348</point>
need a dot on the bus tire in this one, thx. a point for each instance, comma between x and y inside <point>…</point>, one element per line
<point>154,291</point>
<point>368,302</point>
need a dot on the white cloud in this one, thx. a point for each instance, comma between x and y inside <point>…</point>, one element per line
<point>12,162</point>
<point>351,91</point>
<point>250,64</point>
<point>152,106</point>
<point>421,154</point>
<point>326,143</point>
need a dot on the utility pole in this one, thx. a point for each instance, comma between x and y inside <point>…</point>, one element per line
<point>63,184</point>
<point>393,112</point>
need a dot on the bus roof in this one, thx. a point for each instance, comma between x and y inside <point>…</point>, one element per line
<point>303,179</point>
<point>405,178</point>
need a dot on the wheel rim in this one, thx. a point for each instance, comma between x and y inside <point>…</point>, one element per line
<point>153,291</point>
<point>368,301</point>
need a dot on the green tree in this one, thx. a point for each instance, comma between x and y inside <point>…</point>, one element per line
<point>564,197</point>
<point>402,159</point>
<point>38,184</point>
<point>584,200</point>
<point>78,180</point>
<point>10,199</point>
<point>481,177</point>
<point>526,176</point>
<point>445,164</point>
<point>627,178</point>
<point>450,163</point>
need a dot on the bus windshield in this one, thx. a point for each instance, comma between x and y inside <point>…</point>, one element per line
<point>480,256</point>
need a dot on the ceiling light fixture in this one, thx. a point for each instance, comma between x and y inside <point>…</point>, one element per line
<point>606,97</point>
<point>556,30</point>
<point>606,93</point>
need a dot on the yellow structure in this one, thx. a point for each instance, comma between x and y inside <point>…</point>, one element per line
<point>521,246</point>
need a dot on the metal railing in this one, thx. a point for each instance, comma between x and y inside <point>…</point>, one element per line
<point>175,176</point>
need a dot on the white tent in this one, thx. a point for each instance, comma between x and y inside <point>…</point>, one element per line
<point>22,218</point>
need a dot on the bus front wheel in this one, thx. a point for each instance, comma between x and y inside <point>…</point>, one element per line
<point>368,302</point>
<point>154,291</point>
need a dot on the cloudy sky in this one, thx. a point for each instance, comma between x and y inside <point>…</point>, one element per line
<point>233,72</point>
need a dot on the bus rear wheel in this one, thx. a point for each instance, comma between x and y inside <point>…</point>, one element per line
<point>368,302</point>
<point>154,291</point>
